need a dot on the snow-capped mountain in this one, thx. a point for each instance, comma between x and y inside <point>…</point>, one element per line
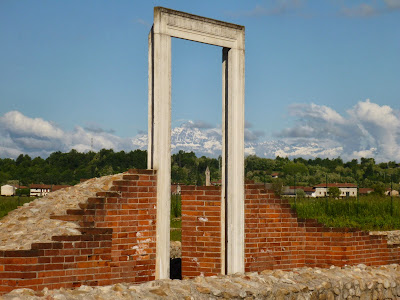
<point>207,142</point>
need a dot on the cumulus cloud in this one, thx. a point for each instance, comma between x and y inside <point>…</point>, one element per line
<point>198,124</point>
<point>368,129</point>
<point>18,124</point>
<point>20,134</point>
<point>365,130</point>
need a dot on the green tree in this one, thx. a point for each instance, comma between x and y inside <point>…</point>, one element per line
<point>277,186</point>
<point>334,192</point>
<point>300,193</point>
<point>293,168</point>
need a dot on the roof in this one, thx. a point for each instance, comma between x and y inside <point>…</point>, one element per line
<point>59,187</point>
<point>339,185</point>
<point>40,186</point>
<point>8,185</point>
<point>48,186</point>
<point>365,190</point>
<point>304,188</point>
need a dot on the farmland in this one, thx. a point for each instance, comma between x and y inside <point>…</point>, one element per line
<point>371,212</point>
<point>8,204</point>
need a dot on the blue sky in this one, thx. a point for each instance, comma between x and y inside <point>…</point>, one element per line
<point>74,69</point>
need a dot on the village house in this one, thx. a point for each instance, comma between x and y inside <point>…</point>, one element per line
<point>346,189</point>
<point>40,190</point>
<point>390,192</point>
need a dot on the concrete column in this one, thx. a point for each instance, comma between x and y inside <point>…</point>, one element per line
<point>160,138</point>
<point>150,112</point>
<point>233,157</point>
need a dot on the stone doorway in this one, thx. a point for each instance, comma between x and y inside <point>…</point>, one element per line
<point>170,23</point>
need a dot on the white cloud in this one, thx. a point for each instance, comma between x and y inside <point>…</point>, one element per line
<point>18,124</point>
<point>314,111</point>
<point>20,134</point>
<point>368,129</point>
<point>365,130</point>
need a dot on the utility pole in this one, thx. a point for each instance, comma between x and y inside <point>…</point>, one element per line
<point>391,195</point>
<point>326,193</point>
<point>295,194</point>
<point>357,197</point>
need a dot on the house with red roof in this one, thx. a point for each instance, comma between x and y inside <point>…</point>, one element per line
<point>346,189</point>
<point>40,190</point>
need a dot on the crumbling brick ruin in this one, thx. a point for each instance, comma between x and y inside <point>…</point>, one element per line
<point>274,237</point>
<point>116,244</point>
<point>117,239</point>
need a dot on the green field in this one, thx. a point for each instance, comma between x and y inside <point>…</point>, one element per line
<point>368,213</point>
<point>8,204</point>
<point>176,218</point>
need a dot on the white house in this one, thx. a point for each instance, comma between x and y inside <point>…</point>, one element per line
<point>346,189</point>
<point>39,190</point>
<point>8,190</point>
<point>390,192</point>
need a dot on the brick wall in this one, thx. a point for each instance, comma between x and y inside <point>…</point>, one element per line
<point>118,229</point>
<point>274,237</point>
<point>117,242</point>
<point>201,230</point>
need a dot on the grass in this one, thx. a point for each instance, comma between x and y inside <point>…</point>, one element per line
<point>368,213</point>
<point>8,204</point>
<point>176,218</point>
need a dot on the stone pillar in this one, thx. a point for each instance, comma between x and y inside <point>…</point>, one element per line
<point>160,137</point>
<point>233,156</point>
<point>208,179</point>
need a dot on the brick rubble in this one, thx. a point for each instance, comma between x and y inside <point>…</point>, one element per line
<point>357,282</point>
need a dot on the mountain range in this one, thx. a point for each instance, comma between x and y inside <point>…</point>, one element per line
<point>207,142</point>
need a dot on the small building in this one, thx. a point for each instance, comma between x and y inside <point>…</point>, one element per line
<point>309,191</point>
<point>346,189</point>
<point>176,189</point>
<point>40,190</point>
<point>275,175</point>
<point>390,192</point>
<point>8,190</point>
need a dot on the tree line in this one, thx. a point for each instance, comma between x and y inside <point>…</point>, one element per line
<point>187,168</point>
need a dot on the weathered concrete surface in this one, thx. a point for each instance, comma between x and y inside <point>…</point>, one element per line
<point>359,282</point>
